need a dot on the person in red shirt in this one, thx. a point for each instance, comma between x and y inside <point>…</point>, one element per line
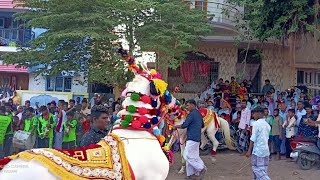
<point>86,125</point>
<point>242,90</point>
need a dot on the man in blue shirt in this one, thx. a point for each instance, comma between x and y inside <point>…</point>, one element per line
<point>259,145</point>
<point>194,124</point>
<point>304,128</point>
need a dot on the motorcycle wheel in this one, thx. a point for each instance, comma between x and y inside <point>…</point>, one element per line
<point>237,144</point>
<point>206,150</point>
<point>303,163</point>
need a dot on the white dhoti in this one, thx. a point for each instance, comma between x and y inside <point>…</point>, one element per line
<point>194,164</point>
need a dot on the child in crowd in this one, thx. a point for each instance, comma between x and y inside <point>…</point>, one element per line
<point>211,105</point>
<point>236,121</point>
<point>82,127</point>
<point>316,113</point>
<point>46,125</point>
<point>30,121</point>
<point>276,132</point>
<point>19,112</point>
<point>289,124</point>
<point>269,119</point>
<point>17,124</point>
<point>242,90</point>
<point>293,105</point>
<point>69,132</point>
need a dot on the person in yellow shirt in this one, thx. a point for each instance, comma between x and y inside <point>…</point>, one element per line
<point>16,98</point>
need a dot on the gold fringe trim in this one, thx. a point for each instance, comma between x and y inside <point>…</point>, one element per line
<point>50,165</point>
<point>207,119</point>
<point>62,173</point>
<point>124,161</point>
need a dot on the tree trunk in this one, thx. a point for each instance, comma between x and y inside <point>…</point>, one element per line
<point>162,67</point>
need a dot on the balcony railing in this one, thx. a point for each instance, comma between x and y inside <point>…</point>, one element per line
<point>15,36</point>
<point>218,11</point>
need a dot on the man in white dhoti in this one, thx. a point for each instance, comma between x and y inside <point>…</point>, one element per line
<point>194,123</point>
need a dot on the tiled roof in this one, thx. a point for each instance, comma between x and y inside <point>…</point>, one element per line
<point>12,68</point>
<point>7,4</point>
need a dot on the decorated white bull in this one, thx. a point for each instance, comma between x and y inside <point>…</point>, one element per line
<point>132,151</point>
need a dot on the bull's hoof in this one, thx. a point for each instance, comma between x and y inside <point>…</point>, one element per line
<point>213,152</point>
<point>182,170</point>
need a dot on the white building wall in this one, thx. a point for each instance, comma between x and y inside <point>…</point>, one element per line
<point>77,86</point>
<point>219,10</point>
<point>39,84</point>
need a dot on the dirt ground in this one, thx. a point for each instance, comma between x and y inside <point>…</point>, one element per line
<point>229,165</point>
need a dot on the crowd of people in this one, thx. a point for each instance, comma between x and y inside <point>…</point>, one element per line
<point>78,123</point>
<point>289,113</point>
<point>60,125</point>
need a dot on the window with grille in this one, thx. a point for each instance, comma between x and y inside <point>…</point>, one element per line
<point>59,84</point>
<point>200,5</point>
<point>199,82</point>
<point>67,84</point>
<point>300,77</point>
<point>2,21</point>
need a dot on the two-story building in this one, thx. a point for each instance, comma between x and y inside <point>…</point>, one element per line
<point>12,34</point>
<point>222,56</point>
<point>43,89</point>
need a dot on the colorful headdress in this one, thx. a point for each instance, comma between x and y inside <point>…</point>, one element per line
<point>141,118</point>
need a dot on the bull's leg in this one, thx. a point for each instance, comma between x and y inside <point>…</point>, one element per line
<point>183,161</point>
<point>211,132</point>
<point>204,140</point>
<point>182,134</point>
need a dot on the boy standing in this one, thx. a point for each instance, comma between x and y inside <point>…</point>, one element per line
<point>69,132</point>
<point>30,123</point>
<point>45,128</point>
<point>269,120</point>
<point>259,146</point>
<point>244,126</point>
<point>289,124</point>
<point>62,117</point>
<point>276,132</point>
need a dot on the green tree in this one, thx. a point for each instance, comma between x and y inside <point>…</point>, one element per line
<point>79,34</point>
<point>277,19</point>
<point>174,30</point>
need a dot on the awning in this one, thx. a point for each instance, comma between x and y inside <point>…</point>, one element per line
<point>12,68</point>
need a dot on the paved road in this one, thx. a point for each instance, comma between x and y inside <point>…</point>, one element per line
<point>229,165</point>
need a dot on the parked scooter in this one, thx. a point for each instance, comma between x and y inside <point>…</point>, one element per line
<point>305,152</point>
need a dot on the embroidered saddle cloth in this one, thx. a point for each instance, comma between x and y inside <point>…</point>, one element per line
<point>208,116</point>
<point>105,160</point>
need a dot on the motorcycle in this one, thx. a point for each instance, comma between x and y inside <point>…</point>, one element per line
<point>305,152</point>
